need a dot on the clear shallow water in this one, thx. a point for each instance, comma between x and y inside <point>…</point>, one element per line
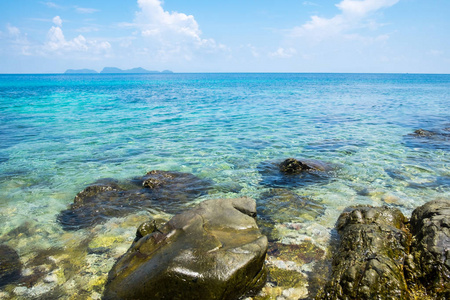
<point>58,133</point>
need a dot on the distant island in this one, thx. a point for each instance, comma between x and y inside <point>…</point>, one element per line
<point>113,70</point>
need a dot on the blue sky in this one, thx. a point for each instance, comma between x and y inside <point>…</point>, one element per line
<point>400,36</point>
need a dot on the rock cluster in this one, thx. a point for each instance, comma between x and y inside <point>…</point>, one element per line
<point>217,251</point>
<point>379,257</point>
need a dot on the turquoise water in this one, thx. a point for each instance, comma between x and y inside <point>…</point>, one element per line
<point>59,133</point>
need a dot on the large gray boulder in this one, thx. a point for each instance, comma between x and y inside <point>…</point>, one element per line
<point>214,251</point>
<point>369,261</point>
<point>429,263</point>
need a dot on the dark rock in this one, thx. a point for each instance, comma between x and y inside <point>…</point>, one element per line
<point>10,265</point>
<point>214,251</point>
<point>163,190</point>
<point>294,173</point>
<point>86,212</point>
<point>281,205</point>
<point>148,227</point>
<point>436,139</point>
<point>293,166</point>
<point>175,186</point>
<point>171,190</point>
<point>429,263</point>
<point>423,132</point>
<point>369,261</point>
<point>90,193</point>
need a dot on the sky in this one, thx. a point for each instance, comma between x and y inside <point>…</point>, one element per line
<point>343,36</point>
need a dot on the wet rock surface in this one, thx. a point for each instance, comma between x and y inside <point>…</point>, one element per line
<point>214,251</point>
<point>10,265</point>
<point>369,260</point>
<point>161,190</point>
<point>383,256</point>
<point>292,172</point>
<point>429,262</point>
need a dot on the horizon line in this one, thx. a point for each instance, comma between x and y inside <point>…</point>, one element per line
<point>236,72</point>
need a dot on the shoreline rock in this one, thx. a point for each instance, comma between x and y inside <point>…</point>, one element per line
<point>429,261</point>
<point>214,251</point>
<point>381,255</point>
<point>369,261</point>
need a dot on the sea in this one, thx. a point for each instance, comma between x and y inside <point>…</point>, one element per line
<point>61,133</point>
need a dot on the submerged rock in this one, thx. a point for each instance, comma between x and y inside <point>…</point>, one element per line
<point>282,205</point>
<point>369,260</point>
<point>99,202</point>
<point>423,133</point>
<point>174,187</point>
<point>10,265</point>
<point>162,190</point>
<point>293,173</point>
<point>214,251</point>
<point>429,263</point>
<point>436,139</point>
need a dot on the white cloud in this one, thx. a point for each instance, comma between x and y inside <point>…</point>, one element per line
<point>283,53</point>
<point>354,15</point>
<point>57,21</point>
<point>309,3</point>
<point>14,39</point>
<point>57,43</point>
<point>362,8</point>
<point>170,33</point>
<point>51,4</point>
<point>152,20</point>
<point>13,31</point>
<point>85,10</point>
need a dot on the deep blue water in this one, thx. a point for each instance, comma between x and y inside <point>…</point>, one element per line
<point>58,133</point>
